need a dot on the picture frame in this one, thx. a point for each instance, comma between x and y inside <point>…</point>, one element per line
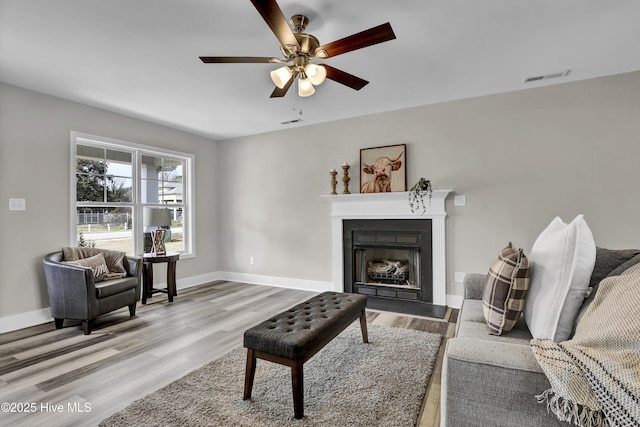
<point>383,169</point>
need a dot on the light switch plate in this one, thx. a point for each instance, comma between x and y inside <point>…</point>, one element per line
<point>17,204</point>
<point>459,200</point>
<point>459,277</point>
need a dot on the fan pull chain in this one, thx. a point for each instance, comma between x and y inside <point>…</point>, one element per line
<point>297,103</point>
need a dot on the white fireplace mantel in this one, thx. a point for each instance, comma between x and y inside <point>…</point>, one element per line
<point>390,206</point>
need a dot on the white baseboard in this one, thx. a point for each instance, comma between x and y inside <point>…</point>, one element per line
<point>454,301</point>
<point>24,320</point>
<point>279,282</point>
<point>255,279</point>
<point>189,282</point>
<point>43,315</point>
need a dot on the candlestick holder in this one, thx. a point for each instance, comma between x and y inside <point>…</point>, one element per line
<point>334,182</point>
<point>345,178</point>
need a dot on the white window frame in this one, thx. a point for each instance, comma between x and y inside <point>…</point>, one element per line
<point>137,151</point>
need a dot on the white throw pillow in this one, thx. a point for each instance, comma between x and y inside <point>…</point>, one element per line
<point>562,260</point>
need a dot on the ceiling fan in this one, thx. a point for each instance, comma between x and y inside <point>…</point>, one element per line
<point>300,48</point>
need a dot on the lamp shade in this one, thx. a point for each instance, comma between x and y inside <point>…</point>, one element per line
<point>281,76</point>
<point>305,87</point>
<point>157,217</point>
<point>316,73</point>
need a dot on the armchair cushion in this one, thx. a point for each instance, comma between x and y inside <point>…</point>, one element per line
<point>96,263</point>
<point>114,259</point>
<point>115,286</point>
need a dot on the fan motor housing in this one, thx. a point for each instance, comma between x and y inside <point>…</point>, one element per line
<point>308,45</point>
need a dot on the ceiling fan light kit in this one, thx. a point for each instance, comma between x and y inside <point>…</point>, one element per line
<point>305,87</point>
<point>316,73</point>
<point>281,76</point>
<point>301,48</point>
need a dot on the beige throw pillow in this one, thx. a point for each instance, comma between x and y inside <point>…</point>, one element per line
<point>114,259</point>
<point>96,263</point>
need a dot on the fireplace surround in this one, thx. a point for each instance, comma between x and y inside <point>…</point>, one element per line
<point>393,206</point>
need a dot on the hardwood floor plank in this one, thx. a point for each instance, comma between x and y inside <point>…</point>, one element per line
<point>125,358</point>
<point>50,367</point>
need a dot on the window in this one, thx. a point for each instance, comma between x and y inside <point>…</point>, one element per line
<point>115,182</point>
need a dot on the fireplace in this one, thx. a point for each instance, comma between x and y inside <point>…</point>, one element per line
<point>420,243</point>
<point>390,261</point>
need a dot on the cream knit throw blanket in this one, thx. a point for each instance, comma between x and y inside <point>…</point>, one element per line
<point>595,376</point>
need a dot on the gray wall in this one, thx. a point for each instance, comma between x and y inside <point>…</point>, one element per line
<point>35,165</point>
<point>521,158</point>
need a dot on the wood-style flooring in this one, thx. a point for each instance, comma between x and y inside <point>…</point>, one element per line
<point>62,377</point>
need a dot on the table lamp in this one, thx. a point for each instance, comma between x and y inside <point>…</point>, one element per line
<point>157,217</point>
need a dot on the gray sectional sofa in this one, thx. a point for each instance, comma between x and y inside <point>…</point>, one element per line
<point>490,380</point>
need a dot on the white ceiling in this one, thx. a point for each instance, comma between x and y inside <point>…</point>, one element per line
<point>140,58</point>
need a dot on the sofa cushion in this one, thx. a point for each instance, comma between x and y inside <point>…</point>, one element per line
<point>562,260</point>
<point>609,262</point>
<point>625,266</point>
<point>114,259</point>
<point>505,290</point>
<point>96,263</point>
<point>471,324</point>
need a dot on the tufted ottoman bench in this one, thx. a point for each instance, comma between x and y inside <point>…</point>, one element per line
<point>294,336</point>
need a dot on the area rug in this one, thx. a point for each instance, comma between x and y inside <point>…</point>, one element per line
<point>382,383</point>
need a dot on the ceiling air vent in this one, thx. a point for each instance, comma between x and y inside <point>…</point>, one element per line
<point>290,122</point>
<point>546,76</point>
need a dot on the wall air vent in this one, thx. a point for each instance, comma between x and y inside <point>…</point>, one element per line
<point>546,76</point>
<point>290,122</point>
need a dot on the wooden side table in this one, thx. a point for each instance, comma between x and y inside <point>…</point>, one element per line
<point>147,262</point>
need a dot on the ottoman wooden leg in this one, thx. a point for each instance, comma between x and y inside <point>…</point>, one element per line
<point>363,326</point>
<point>250,373</point>
<point>298,389</point>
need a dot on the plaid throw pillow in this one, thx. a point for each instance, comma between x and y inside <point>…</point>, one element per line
<point>505,289</point>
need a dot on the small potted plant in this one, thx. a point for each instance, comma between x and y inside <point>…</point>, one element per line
<point>421,190</point>
<point>83,243</point>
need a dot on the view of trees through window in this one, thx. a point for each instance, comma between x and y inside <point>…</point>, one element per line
<point>108,201</point>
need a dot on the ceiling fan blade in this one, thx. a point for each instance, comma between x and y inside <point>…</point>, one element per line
<point>345,78</point>
<point>375,35</point>
<point>238,60</point>
<point>278,93</point>
<point>275,19</point>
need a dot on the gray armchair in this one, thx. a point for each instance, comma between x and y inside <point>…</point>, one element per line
<point>74,294</point>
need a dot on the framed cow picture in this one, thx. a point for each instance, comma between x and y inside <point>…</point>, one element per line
<point>383,169</point>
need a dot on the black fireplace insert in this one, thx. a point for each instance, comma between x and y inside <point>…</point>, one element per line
<point>390,261</point>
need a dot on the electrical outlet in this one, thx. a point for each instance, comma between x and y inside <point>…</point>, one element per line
<point>17,204</point>
<point>459,277</point>
<point>459,200</point>
<point>252,260</point>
